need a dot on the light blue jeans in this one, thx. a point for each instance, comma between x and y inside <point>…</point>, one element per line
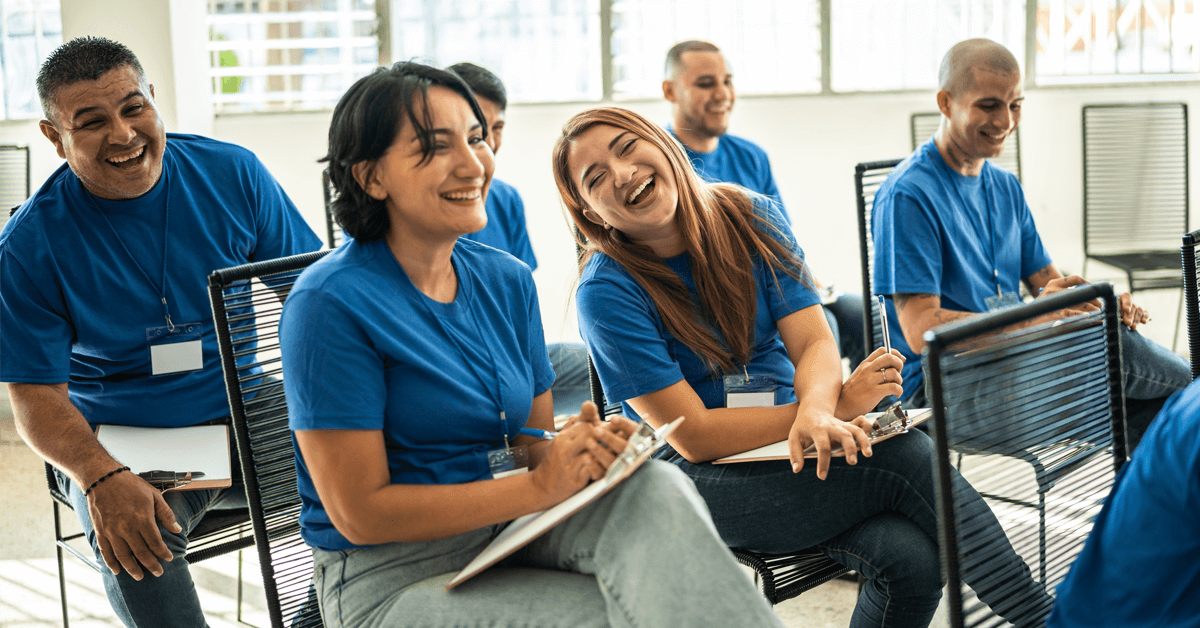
<point>646,554</point>
<point>571,385</point>
<point>168,601</point>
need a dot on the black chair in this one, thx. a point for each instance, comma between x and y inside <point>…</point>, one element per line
<point>333,231</point>
<point>14,178</point>
<point>1135,190</point>
<point>219,532</point>
<point>246,302</point>
<point>1191,297</point>
<point>925,125</point>
<point>868,176</point>
<point>1051,389</point>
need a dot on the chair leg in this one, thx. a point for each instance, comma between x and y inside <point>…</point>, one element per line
<point>1042,537</point>
<point>62,578</point>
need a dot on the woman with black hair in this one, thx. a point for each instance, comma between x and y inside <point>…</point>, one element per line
<point>412,357</point>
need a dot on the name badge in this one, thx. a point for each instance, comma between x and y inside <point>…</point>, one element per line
<point>508,461</point>
<point>1002,301</point>
<point>743,390</point>
<point>176,351</point>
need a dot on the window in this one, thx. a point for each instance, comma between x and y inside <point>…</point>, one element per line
<point>29,31</point>
<point>883,45</point>
<point>543,50</point>
<point>288,55</point>
<point>772,46</point>
<point>1081,41</point>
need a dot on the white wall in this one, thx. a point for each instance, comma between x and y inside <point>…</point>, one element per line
<point>814,143</point>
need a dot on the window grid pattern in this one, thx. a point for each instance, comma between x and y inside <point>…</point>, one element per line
<point>29,31</point>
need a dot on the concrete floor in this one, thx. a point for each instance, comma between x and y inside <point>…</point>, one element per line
<point>29,595</point>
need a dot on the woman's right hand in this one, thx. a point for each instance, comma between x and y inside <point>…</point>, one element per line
<point>581,453</point>
<point>875,378</point>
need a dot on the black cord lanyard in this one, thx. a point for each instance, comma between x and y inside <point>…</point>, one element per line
<point>498,395</point>
<point>988,219</point>
<point>162,292</point>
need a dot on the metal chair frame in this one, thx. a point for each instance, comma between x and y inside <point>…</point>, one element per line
<point>868,176</point>
<point>1191,297</point>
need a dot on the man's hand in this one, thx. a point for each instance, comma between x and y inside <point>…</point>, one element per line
<point>125,512</point>
<point>1131,314</point>
<point>1066,283</point>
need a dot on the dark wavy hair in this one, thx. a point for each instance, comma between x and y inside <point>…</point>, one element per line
<point>81,59</point>
<point>367,121</point>
<point>483,82</point>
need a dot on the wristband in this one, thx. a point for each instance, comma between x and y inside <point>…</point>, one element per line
<point>106,476</point>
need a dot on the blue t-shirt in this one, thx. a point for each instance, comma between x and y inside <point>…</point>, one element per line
<point>506,224</point>
<point>363,349</point>
<point>1141,563</point>
<point>81,280</point>
<point>635,354</point>
<point>737,160</point>
<point>939,232</point>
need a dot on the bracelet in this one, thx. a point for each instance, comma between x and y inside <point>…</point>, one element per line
<point>106,476</point>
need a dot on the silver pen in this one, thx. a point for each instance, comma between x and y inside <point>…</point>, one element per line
<point>887,340</point>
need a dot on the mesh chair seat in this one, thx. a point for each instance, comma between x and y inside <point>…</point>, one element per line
<point>1146,270</point>
<point>784,576</point>
<point>1191,291</point>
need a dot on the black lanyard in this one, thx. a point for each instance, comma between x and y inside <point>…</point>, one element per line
<point>162,292</point>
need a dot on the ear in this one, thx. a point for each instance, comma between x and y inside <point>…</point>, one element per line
<point>943,100</point>
<point>668,87</point>
<point>594,218</point>
<point>366,175</point>
<point>51,132</point>
<point>152,92</point>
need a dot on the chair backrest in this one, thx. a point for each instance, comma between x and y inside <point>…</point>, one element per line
<point>247,301</point>
<point>14,178</point>
<point>1047,394</point>
<point>925,124</point>
<point>333,231</point>
<point>868,176</point>
<point>1191,295</point>
<point>1135,177</point>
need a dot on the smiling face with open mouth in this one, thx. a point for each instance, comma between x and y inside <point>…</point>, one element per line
<point>110,133</point>
<point>626,182</point>
<point>982,117</point>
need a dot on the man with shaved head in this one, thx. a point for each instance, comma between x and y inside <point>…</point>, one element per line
<point>954,236</point>
<point>699,85</point>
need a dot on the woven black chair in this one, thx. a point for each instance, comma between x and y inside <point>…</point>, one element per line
<point>1135,191</point>
<point>219,532</point>
<point>246,302</point>
<point>14,178</point>
<point>1052,389</point>
<point>868,176</point>
<point>1191,298</point>
<point>333,231</point>
<point>925,124</point>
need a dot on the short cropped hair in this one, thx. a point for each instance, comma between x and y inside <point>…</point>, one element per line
<point>483,82</point>
<point>81,59</point>
<point>675,54</point>
<point>957,73</point>
<point>367,121</point>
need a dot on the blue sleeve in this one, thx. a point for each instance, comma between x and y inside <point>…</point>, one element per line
<point>785,294</point>
<point>518,235</point>
<point>908,248</point>
<point>333,377</point>
<point>1033,255</point>
<point>620,328</point>
<point>281,230</point>
<point>36,345</point>
<point>543,370</point>
<point>772,191</point>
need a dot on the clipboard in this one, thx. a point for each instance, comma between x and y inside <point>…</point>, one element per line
<point>779,451</point>
<point>203,448</point>
<point>523,530</point>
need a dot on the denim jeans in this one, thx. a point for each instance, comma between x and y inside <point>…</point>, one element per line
<point>845,317</point>
<point>643,555</point>
<point>571,385</point>
<point>170,599</point>
<point>877,517</point>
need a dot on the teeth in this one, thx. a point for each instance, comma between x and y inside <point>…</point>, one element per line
<point>119,160</point>
<point>633,194</point>
<point>468,195</point>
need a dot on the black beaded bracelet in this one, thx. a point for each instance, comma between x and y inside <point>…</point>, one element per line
<point>108,475</point>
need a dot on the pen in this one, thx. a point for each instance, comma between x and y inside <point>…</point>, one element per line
<point>529,431</point>
<point>883,322</point>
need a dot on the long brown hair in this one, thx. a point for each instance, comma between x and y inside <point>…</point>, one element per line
<point>719,230</point>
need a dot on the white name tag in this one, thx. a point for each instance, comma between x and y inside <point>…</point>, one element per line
<point>176,357</point>
<point>750,399</point>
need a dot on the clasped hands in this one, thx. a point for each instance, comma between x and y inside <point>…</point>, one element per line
<point>581,452</point>
<point>1129,313</point>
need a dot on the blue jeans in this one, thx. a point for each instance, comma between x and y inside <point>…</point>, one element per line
<point>170,599</point>
<point>571,385</point>
<point>877,517</point>
<point>645,554</point>
<point>845,317</point>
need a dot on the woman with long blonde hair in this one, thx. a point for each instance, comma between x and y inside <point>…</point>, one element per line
<point>694,300</point>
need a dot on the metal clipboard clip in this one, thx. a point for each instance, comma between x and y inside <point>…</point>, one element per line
<point>894,420</point>
<point>167,480</point>
<point>643,439</point>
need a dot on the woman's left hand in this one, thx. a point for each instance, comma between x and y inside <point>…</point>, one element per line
<point>877,377</point>
<point>825,430</point>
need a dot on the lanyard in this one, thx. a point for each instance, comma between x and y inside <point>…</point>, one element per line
<point>987,218</point>
<point>162,292</point>
<point>498,394</point>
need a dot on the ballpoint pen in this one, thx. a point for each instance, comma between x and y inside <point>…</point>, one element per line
<point>543,434</point>
<point>883,322</point>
